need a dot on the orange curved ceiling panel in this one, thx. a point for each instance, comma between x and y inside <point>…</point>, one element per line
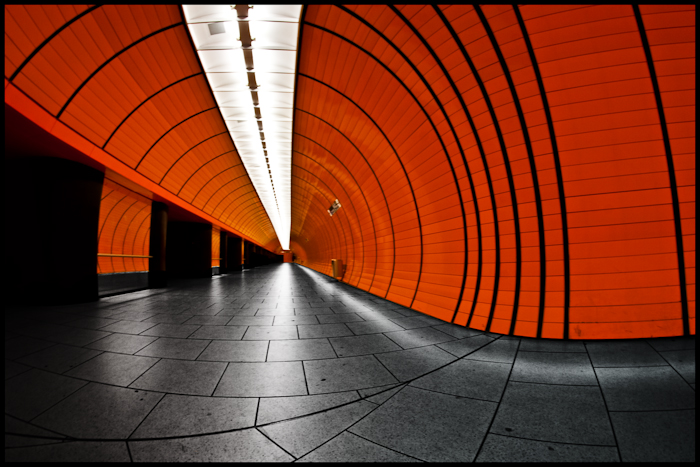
<point>127,79</point>
<point>523,170</point>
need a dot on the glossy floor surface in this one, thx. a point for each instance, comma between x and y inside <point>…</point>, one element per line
<point>281,363</point>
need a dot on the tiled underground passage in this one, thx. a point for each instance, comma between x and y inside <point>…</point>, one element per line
<point>281,363</point>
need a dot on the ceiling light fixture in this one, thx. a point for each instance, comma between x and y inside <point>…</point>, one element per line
<point>249,56</point>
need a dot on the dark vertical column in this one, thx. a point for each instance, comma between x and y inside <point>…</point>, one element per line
<point>157,273</point>
<point>189,249</point>
<point>52,211</point>
<point>223,253</point>
<point>235,256</point>
<point>247,257</point>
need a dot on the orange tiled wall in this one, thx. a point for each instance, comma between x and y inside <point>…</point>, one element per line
<point>525,170</point>
<point>215,246</point>
<point>125,225</point>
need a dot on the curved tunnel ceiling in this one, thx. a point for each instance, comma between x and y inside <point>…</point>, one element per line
<point>524,170</point>
<point>127,79</point>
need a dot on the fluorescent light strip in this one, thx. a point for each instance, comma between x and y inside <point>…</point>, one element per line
<point>221,34</point>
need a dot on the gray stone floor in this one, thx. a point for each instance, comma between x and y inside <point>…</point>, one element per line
<point>280,363</point>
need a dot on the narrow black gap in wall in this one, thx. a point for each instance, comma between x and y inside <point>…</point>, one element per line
<point>472,68</point>
<point>557,166</point>
<point>466,166</point>
<point>535,183</point>
<point>671,169</point>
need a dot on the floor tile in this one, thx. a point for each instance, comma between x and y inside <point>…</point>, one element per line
<point>237,312</point>
<point>383,396</point>
<point>362,345</point>
<point>113,368</point>
<point>409,364</point>
<point>19,433</point>
<point>551,345</point>
<point>565,414</point>
<point>122,343</point>
<point>317,311</point>
<point>430,401</point>
<point>460,332</point>
<point>129,327</point>
<point>99,411</point>
<point>301,435</point>
<point>662,344</point>
<point>468,378</point>
<point>181,377</point>
<point>267,379</point>
<point>177,415</point>
<point>166,347</point>
<point>338,318</point>
<point>373,327</point>
<point>414,322</point>
<point>171,330</point>
<point>345,374</point>
<point>40,329</point>
<point>274,312</point>
<point>499,448</point>
<point>294,320</point>
<point>265,333</point>
<point>418,337</point>
<point>208,320</point>
<point>168,318</point>
<point>20,346</point>
<point>330,304</point>
<point>374,315</point>
<point>14,369</point>
<point>302,349</point>
<point>623,354</point>
<point>59,358</point>
<point>91,322</point>
<point>310,331</point>
<point>219,332</point>
<point>428,426</point>
<point>664,436</point>
<point>683,361</point>
<point>273,409</point>
<point>347,447</point>
<point>251,321</point>
<point>500,351</point>
<point>32,392</point>
<point>133,315</point>
<point>72,451</point>
<point>238,446</point>
<point>78,336</point>
<point>553,368</point>
<point>650,388</point>
<point>235,351</point>
<point>463,347</point>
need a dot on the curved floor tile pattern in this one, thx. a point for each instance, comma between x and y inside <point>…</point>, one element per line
<point>281,363</point>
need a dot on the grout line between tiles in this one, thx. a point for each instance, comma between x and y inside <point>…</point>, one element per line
<point>605,404</point>
<point>498,404</point>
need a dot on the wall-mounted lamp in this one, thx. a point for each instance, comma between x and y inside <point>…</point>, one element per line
<point>334,207</point>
